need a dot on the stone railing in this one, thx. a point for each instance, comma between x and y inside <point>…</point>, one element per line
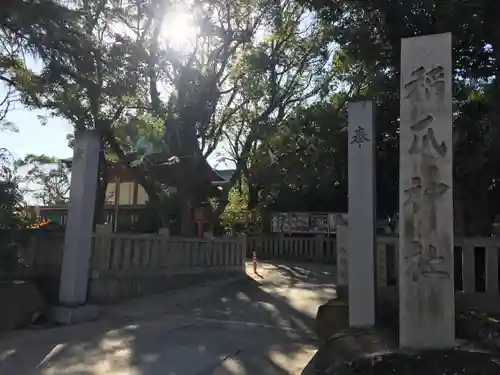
<point>129,265</point>
<point>318,249</point>
<point>475,271</point>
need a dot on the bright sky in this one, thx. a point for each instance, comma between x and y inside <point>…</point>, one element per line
<point>33,138</point>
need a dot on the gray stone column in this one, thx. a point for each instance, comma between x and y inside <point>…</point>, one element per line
<point>426,283</point>
<point>78,237</point>
<point>342,260</point>
<point>361,249</point>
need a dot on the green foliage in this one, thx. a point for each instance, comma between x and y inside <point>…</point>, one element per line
<point>267,81</point>
<point>11,200</point>
<point>31,27</point>
<point>308,171</point>
<point>88,82</point>
<point>12,215</point>
<point>369,35</point>
<point>237,218</point>
<point>254,63</point>
<point>281,71</point>
<point>47,179</point>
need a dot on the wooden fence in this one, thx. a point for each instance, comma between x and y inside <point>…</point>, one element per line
<point>318,249</point>
<point>475,271</point>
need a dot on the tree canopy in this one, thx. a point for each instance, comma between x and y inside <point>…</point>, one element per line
<point>45,178</point>
<point>262,83</point>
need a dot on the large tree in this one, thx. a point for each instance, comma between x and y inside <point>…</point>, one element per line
<point>250,67</point>
<point>285,68</point>
<point>29,27</point>
<point>304,165</point>
<point>96,85</point>
<point>111,81</point>
<point>370,33</point>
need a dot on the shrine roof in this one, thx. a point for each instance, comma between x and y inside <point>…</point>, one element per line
<point>161,170</point>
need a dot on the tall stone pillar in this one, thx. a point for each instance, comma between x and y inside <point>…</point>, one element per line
<point>361,248</point>
<point>426,283</point>
<point>342,261</point>
<point>78,237</point>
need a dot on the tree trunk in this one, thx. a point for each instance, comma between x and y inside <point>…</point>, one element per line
<point>187,222</point>
<point>193,187</point>
<point>102,184</point>
<point>149,187</point>
<point>224,198</point>
<point>222,204</point>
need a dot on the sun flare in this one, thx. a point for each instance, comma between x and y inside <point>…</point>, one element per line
<point>180,29</point>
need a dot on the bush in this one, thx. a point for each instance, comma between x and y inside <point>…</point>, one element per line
<point>236,218</point>
<point>12,215</point>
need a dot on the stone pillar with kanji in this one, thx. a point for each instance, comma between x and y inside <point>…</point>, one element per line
<point>361,229</point>
<point>426,282</point>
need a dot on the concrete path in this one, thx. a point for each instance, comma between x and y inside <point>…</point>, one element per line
<point>260,326</point>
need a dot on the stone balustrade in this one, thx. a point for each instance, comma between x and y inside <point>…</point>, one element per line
<point>316,249</point>
<point>476,266</point>
<point>129,265</point>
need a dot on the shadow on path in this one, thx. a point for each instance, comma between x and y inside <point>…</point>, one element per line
<point>248,327</point>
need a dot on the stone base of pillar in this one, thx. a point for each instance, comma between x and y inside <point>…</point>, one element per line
<point>332,317</point>
<point>342,292</point>
<point>73,315</point>
<point>387,306</point>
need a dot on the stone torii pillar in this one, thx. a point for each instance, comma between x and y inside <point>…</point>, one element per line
<point>361,235</point>
<point>78,236</point>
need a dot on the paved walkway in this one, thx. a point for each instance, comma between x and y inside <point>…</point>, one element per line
<point>260,326</point>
